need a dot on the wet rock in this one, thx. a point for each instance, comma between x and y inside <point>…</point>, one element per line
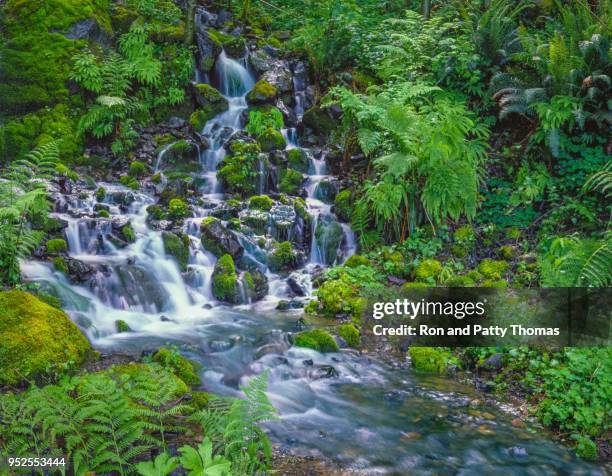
<point>261,61</point>
<point>79,271</point>
<point>297,285</point>
<point>219,345</point>
<point>177,246</point>
<point>493,364</point>
<point>518,423</point>
<point>280,77</point>
<point>219,240</point>
<point>166,319</point>
<point>326,191</point>
<point>300,324</point>
<point>308,362</point>
<point>225,211</point>
<point>411,435</point>
<point>257,220</point>
<point>283,219</point>
<point>88,30</point>
<point>282,305</point>
<point>324,371</point>
<point>256,284</point>
<point>136,287</point>
<point>518,451</point>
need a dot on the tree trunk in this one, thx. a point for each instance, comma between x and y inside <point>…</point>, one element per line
<point>426,8</point>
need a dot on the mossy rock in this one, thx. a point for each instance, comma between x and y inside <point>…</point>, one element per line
<point>35,337</point>
<point>319,121</point>
<point>416,284</point>
<point>428,359</point>
<point>178,364</point>
<point>122,326</point>
<point>137,169</point>
<point>465,236</point>
<point>56,246</point>
<point>290,182</point>
<point>283,258</point>
<point>225,281</point>
<point>328,237</point>
<point>263,92</point>
<point>177,246</point>
<point>356,261</point>
<point>343,205</point>
<point>181,157</point>
<point>297,160</point>
<point>211,103</point>
<point>493,269</point>
<point>459,282</point>
<point>260,202</point>
<point>132,372</point>
<point>316,339</point>
<point>351,335</point>
<point>428,270</point>
<point>337,297</point>
<point>271,140</point>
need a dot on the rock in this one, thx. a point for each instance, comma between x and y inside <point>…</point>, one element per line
<point>326,191</point>
<point>209,49</point>
<point>177,246</point>
<point>308,362</point>
<point>280,77</point>
<point>297,285</point>
<point>166,319</point>
<point>257,220</point>
<point>283,257</point>
<point>282,305</point>
<point>217,239</point>
<point>298,160</point>
<point>79,271</point>
<point>225,281</point>
<point>518,423</point>
<point>271,140</point>
<point>328,236</point>
<point>256,284</point>
<point>324,371</point>
<point>122,326</point>
<point>518,451</point>
<point>182,156</point>
<point>88,30</point>
<point>210,100</point>
<point>283,219</point>
<point>136,287</point>
<point>262,93</point>
<point>261,61</point>
<point>494,363</point>
<point>35,337</point>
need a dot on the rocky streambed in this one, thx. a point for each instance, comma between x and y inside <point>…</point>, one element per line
<point>211,241</point>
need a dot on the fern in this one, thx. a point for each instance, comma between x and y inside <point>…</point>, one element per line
<point>600,181</point>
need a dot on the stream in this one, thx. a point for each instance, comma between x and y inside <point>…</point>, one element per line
<point>362,411</point>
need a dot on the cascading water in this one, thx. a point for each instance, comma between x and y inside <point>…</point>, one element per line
<point>342,405</point>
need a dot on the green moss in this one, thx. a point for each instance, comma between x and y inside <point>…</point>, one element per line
<point>137,169</point>
<point>428,270</point>
<point>459,282</point>
<point>122,326</point>
<point>129,182</point>
<point>157,212</point>
<point>178,209</point>
<point>429,359</point>
<point>240,171</point>
<point>104,214</point>
<point>60,264</point>
<point>350,334</point>
<point>225,280</point>
<point>336,297</point>
<point>177,246</point>
<point>211,103</point>
<point>261,202</point>
<point>128,233</point>
<point>357,260</point>
<point>56,246</point>
<point>297,160</point>
<point>490,283</point>
<point>343,205</point>
<point>493,269</point>
<point>270,140</point>
<point>464,235</point>
<point>415,284</point>
<point>283,257</point>
<point>35,337</point>
<point>178,364</point>
<point>459,251</point>
<point>316,339</point>
<point>506,251</point>
<point>101,194</point>
<point>262,92</point>
<point>474,275</point>
<point>290,182</point>
<point>586,448</point>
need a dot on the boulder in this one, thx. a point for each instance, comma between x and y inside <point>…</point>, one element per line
<point>283,219</point>
<point>261,61</point>
<point>177,246</point>
<point>280,77</point>
<point>79,271</point>
<point>88,30</point>
<point>225,286</point>
<point>35,337</point>
<point>219,240</point>
<point>494,363</point>
<point>256,284</point>
<point>209,49</point>
<point>262,93</point>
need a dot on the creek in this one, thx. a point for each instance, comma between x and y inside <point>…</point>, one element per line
<point>362,411</point>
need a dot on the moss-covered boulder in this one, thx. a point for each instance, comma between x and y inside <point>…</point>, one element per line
<point>56,246</point>
<point>260,202</point>
<point>177,246</point>
<point>225,286</point>
<point>343,205</point>
<point>211,103</point>
<point>271,140</point>
<point>35,337</point>
<point>350,334</point>
<point>319,120</point>
<point>182,156</point>
<point>336,298</point>
<point>429,359</point>
<point>316,339</point>
<point>283,257</point>
<point>428,270</point>
<point>262,93</point>
<point>219,240</point>
<point>290,181</point>
<point>356,261</point>
<point>240,171</point>
<point>178,364</point>
<point>297,160</point>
